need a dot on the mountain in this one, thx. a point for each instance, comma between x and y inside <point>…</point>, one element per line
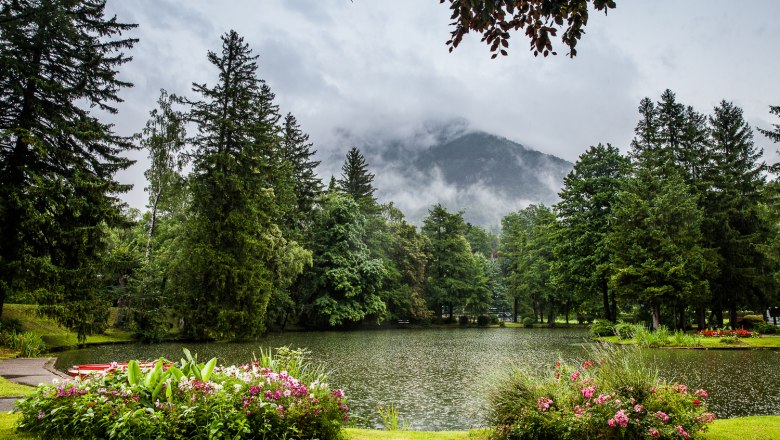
<point>484,175</point>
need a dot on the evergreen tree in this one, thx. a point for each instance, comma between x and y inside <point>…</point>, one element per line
<point>297,151</point>
<point>734,225</point>
<point>235,254</point>
<point>451,270</point>
<point>57,160</point>
<point>356,181</point>
<point>344,284</point>
<point>586,215</point>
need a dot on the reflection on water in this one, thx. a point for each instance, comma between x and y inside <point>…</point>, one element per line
<point>438,378</point>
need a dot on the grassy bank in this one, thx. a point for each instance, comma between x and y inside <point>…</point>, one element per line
<point>765,341</point>
<point>743,428</point>
<point>8,388</point>
<point>54,335</point>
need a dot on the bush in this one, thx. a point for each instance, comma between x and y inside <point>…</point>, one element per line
<point>463,320</point>
<point>602,327</point>
<point>765,328</point>
<point>274,397</point>
<point>624,330</point>
<point>617,397</point>
<point>29,343</point>
<point>645,337</point>
<point>528,322</point>
<point>483,321</point>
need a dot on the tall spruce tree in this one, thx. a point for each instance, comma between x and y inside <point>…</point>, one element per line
<point>235,253</point>
<point>307,186</point>
<point>733,223</point>
<point>356,181</point>
<point>58,59</point>
<point>586,215</point>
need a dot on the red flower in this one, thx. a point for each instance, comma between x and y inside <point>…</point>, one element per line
<point>696,402</point>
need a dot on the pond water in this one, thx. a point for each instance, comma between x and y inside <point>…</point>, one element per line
<point>438,378</point>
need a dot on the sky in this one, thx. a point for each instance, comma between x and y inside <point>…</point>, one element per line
<point>373,69</point>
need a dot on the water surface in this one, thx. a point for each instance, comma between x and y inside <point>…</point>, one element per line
<point>439,378</point>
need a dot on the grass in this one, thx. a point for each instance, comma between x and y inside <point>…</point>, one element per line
<point>767,341</point>
<point>10,389</point>
<point>53,334</point>
<point>743,428</point>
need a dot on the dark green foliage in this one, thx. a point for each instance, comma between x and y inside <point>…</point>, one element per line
<point>528,322</point>
<point>586,215</point>
<point>481,240</point>
<point>297,152</point>
<point>234,255</point>
<point>540,21</point>
<point>483,321</point>
<point>343,286</point>
<point>356,181</point>
<point>463,321</point>
<point>57,161</point>
<point>602,327</point>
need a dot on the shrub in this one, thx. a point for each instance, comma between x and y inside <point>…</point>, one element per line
<point>528,322</point>
<point>29,343</point>
<point>617,397</point>
<point>645,337</point>
<point>624,330</point>
<point>602,327</point>
<point>765,328</point>
<point>463,320</point>
<point>191,400</point>
<point>682,339</point>
<point>738,333</point>
<point>730,339</point>
<point>483,321</point>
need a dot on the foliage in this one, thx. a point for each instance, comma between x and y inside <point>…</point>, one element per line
<point>463,320</point>
<point>28,343</point>
<point>602,327</point>
<point>540,21</point>
<point>390,418</point>
<point>356,181</point>
<point>616,397</point>
<point>188,400</point>
<point>57,160</point>
<point>483,321</point>
<point>528,322</point>
<point>235,255</point>
<point>624,330</point>
<point>343,285</point>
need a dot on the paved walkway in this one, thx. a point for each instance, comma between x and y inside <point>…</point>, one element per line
<point>28,371</point>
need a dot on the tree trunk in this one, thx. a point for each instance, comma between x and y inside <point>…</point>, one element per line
<point>719,317</point>
<point>700,317</point>
<point>656,315</point>
<point>152,222</point>
<point>550,317</point>
<point>517,304</point>
<point>733,316</point>
<point>683,317</point>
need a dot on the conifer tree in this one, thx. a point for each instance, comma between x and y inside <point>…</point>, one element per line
<point>586,215</point>
<point>297,151</point>
<point>356,181</point>
<point>58,59</point>
<point>235,253</point>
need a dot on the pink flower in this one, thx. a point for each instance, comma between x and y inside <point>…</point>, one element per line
<point>661,416</point>
<point>701,393</point>
<point>578,411</point>
<point>706,417</point>
<point>575,375</point>
<point>620,418</point>
<point>602,398</point>
<point>611,423</point>
<point>587,364</point>
<point>638,408</point>
<point>682,431</point>
<point>653,432</point>
<point>587,392</point>
<point>543,403</point>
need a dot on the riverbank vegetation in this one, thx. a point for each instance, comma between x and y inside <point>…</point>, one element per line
<point>242,236</point>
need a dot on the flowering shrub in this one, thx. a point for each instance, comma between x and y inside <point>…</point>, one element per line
<point>740,333</point>
<point>614,398</point>
<point>254,400</point>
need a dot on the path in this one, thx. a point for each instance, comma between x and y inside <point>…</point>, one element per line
<point>27,371</point>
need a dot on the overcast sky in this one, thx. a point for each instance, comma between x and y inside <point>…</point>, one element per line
<point>381,68</point>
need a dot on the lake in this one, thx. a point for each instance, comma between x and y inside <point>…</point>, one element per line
<point>438,378</point>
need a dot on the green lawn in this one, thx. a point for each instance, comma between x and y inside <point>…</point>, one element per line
<point>53,334</point>
<point>743,428</point>
<point>766,341</point>
<point>8,388</point>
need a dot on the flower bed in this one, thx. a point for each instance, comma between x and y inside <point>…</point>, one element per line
<point>615,398</point>
<point>740,333</point>
<point>274,397</point>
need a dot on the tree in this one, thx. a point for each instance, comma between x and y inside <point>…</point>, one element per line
<point>451,272</point>
<point>656,244</point>
<point>344,283</point>
<point>541,20</point>
<point>235,254</point>
<point>356,181</point>
<point>164,138</point>
<point>297,151</point>
<point>586,215</point>
<point>734,226</point>
<point>57,160</point>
